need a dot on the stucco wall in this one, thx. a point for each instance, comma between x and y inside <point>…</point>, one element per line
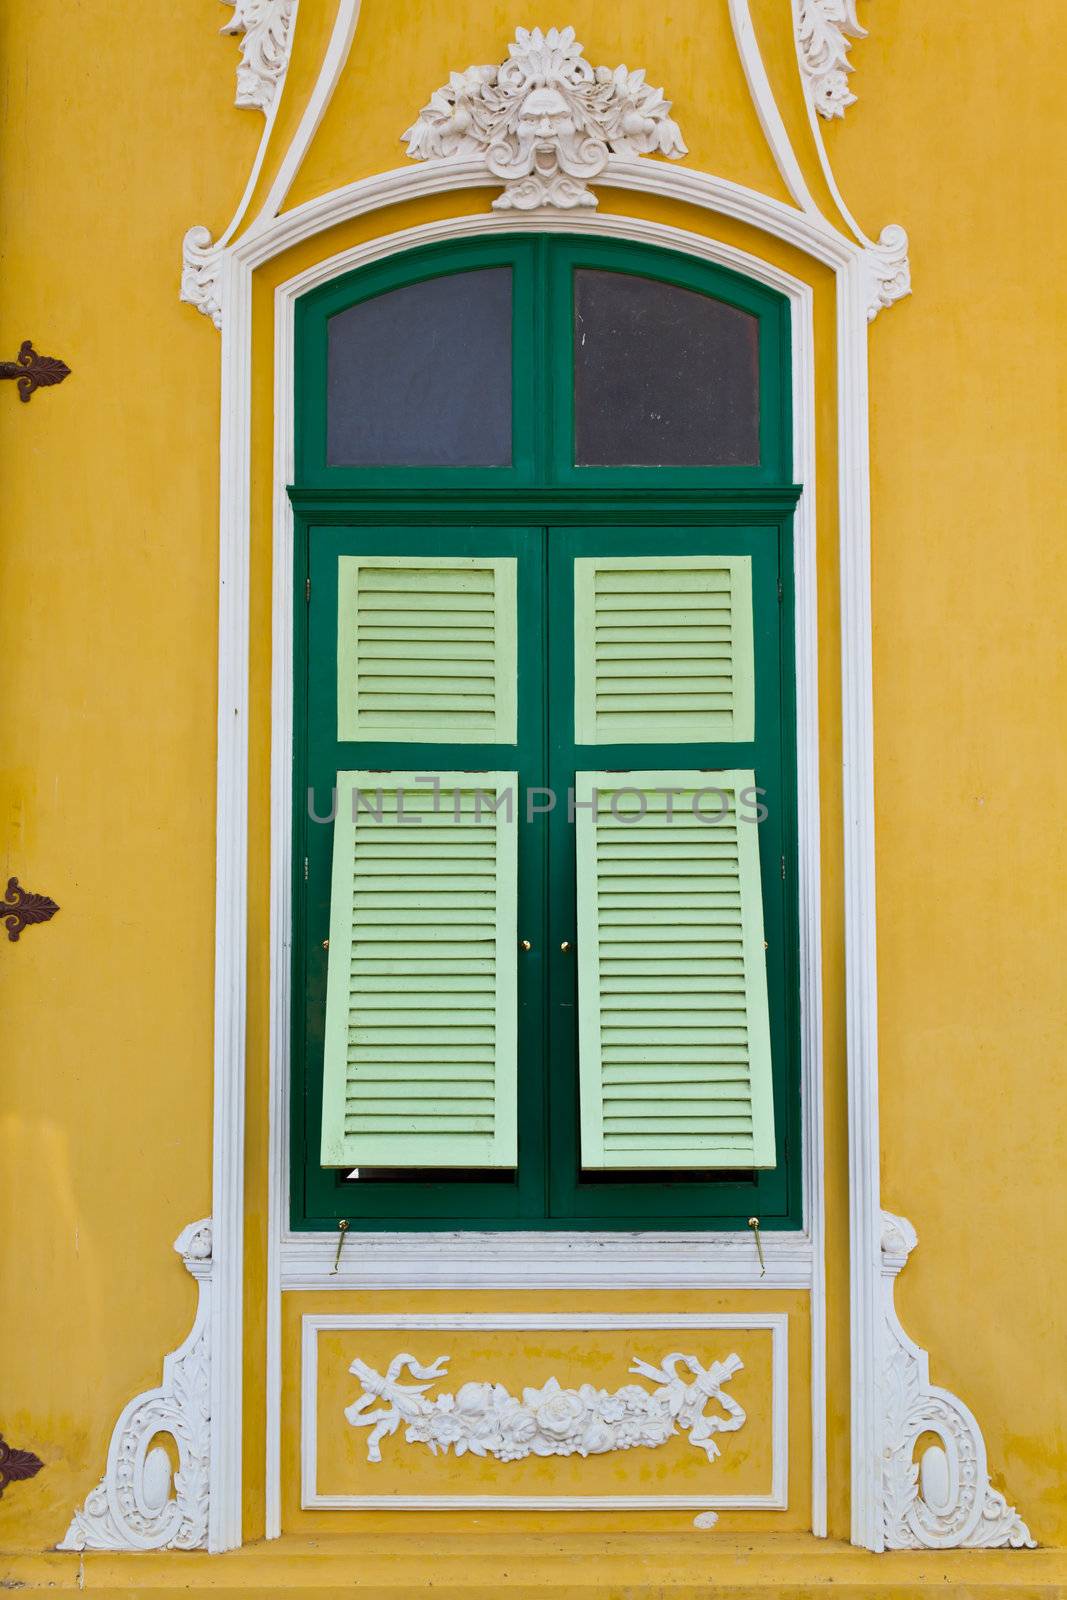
<point>121,132</point>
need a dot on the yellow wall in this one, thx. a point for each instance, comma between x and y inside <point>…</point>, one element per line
<point>120,134</point>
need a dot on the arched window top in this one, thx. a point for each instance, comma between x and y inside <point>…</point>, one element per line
<point>420,376</point>
<point>663,376</point>
<point>539,361</point>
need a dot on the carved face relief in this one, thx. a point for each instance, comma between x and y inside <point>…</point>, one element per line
<point>545,121</point>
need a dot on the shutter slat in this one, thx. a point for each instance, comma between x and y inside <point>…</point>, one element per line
<point>674,1030</point>
<point>426,649</point>
<point>663,649</point>
<point>421,1037</point>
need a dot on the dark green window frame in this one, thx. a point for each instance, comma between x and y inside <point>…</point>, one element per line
<point>744,510</point>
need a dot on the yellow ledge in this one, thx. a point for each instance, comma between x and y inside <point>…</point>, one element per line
<point>637,1566</point>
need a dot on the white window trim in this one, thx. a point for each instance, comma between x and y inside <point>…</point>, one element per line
<point>546,1259</point>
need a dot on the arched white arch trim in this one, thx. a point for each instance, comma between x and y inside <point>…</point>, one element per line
<point>583,1260</point>
<point>821,242</point>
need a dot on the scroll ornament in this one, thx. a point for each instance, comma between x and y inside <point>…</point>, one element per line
<point>825,29</point>
<point>265,30</point>
<point>140,1503</point>
<point>943,1500</point>
<point>544,122</point>
<point>485,1419</point>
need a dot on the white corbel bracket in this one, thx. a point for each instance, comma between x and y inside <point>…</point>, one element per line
<point>944,1500</point>
<point>202,273</point>
<point>888,269</point>
<point>138,1503</point>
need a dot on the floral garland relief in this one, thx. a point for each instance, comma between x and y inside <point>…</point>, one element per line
<point>485,1419</point>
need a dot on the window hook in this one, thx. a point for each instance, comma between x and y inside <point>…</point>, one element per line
<point>342,1230</point>
<point>753,1223</point>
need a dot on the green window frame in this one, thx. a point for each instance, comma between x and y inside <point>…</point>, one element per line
<point>543,514</point>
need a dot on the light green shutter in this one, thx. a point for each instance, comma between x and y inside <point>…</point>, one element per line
<point>421,1031</point>
<point>426,649</point>
<point>674,1035</point>
<point>663,649</point>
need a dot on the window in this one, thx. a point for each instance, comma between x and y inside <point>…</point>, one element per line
<point>545,933</point>
<point>421,375</point>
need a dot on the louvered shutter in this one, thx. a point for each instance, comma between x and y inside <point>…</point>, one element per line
<point>663,649</point>
<point>674,1035</point>
<point>426,649</point>
<point>421,1033</point>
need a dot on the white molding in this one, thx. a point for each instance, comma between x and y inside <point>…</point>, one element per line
<point>138,1503</point>
<point>202,258</point>
<point>759,88</point>
<point>888,268</point>
<point>231,922</point>
<point>861,970</point>
<point>265,29</point>
<point>306,1261</point>
<point>270,236</point>
<point>544,122</point>
<point>545,1261</point>
<point>333,62</point>
<point>202,263</point>
<point>776,1322</point>
<point>945,1500</point>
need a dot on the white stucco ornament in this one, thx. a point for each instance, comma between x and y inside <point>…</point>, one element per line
<point>943,1500</point>
<point>140,1503</point>
<point>825,29</point>
<point>545,122</point>
<point>486,1420</point>
<point>265,30</point>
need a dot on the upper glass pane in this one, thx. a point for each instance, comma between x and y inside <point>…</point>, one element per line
<point>421,376</point>
<point>663,376</point>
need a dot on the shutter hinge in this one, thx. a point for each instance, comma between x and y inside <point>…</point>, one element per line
<point>781,591</point>
<point>783,869</point>
<point>305,869</point>
<point>307,591</point>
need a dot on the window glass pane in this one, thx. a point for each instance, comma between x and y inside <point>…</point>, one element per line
<point>663,377</point>
<point>421,376</point>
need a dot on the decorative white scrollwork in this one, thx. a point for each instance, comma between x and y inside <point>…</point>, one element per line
<point>485,1419</point>
<point>266,30</point>
<point>139,1504</point>
<point>545,122</point>
<point>945,1500</point>
<point>824,31</point>
<point>202,273</point>
<point>889,270</point>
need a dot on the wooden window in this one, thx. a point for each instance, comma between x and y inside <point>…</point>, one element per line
<point>507,1014</point>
